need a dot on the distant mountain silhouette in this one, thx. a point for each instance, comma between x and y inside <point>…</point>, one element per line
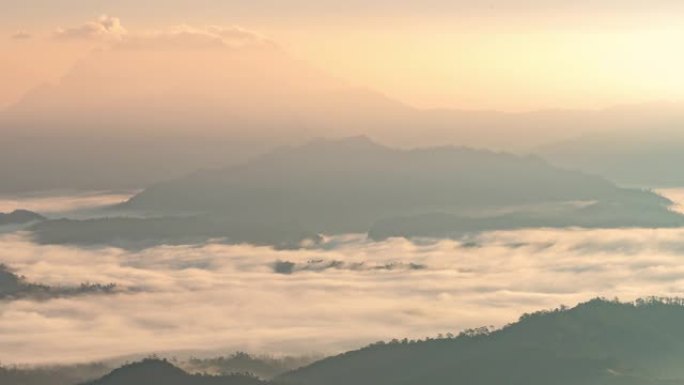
<point>355,185</point>
<point>640,157</point>
<point>161,372</point>
<point>346,185</point>
<point>597,343</point>
<point>19,217</point>
<point>135,233</point>
<point>145,116</point>
<point>264,367</point>
<point>594,215</point>
<point>349,185</point>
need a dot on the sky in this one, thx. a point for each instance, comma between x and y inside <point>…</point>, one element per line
<point>501,54</point>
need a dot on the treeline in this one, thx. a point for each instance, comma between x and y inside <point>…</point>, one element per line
<point>13,286</point>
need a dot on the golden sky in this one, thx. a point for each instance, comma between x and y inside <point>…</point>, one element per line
<point>504,54</point>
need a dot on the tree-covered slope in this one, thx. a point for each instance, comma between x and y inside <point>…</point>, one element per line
<point>599,342</point>
<point>161,372</point>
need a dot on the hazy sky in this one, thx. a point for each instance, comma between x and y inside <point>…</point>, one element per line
<point>498,54</point>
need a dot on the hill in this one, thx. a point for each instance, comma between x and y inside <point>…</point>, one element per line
<point>593,215</point>
<point>19,217</point>
<point>638,157</point>
<point>596,343</point>
<point>348,185</point>
<point>133,233</point>
<point>355,185</point>
<point>154,371</point>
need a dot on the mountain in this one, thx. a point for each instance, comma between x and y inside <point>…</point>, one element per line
<point>265,367</point>
<point>355,185</point>
<point>348,185</point>
<point>20,217</point>
<point>643,157</point>
<point>140,112</point>
<point>154,371</point>
<point>612,214</point>
<point>596,343</point>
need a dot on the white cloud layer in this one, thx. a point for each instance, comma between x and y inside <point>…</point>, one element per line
<point>215,297</point>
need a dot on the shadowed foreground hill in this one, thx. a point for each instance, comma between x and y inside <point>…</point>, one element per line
<point>596,343</point>
<point>161,372</point>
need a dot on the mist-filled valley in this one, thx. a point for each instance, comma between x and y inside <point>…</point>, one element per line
<point>321,298</point>
<point>367,193</point>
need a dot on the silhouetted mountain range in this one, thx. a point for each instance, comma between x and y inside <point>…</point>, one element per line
<point>644,157</point>
<point>594,215</point>
<point>161,372</point>
<point>597,343</point>
<point>145,116</point>
<point>264,367</point>
<point>357,186</point>
<point>135,233</point>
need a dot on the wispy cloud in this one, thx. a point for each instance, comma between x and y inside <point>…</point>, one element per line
<point>189,37</point>
<point>104,28</point>
<point>110,30</point>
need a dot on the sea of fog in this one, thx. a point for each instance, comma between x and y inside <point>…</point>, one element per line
<point>341,295</point>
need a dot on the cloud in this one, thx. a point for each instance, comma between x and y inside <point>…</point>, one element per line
<point>21,35</point>
<point>183,37</point>
<point>63,203</point>
<point>105,28</point>
<point>186,37</point>
<point>227,297</point>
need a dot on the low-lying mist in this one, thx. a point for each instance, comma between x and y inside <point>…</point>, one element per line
<point>223,298</point>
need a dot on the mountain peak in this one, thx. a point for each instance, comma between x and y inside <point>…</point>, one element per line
<point>358,141</point>
<point>147,371</point>
<point>20,217</point>
<point>160,371</point>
